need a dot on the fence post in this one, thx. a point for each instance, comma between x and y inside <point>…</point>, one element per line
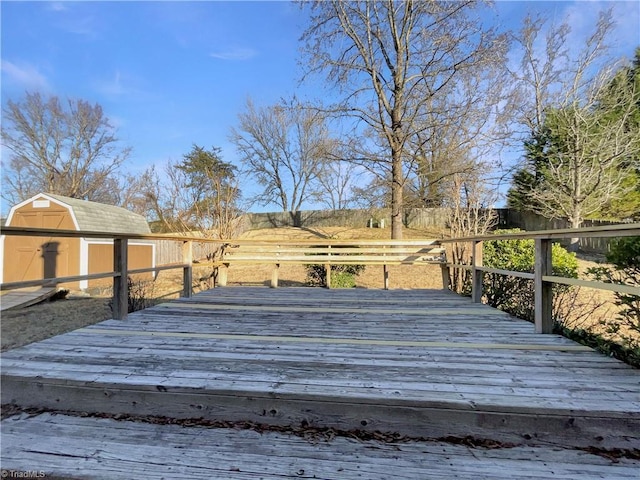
<point>120,285</point>
<point>476,275</point>
<point>187,271</point>
<point>543,293</point>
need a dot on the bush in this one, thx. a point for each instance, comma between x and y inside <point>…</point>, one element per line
<point>140,295</point>
<point>515,295</point>
<point>625,257</point>
<point>342,276</point>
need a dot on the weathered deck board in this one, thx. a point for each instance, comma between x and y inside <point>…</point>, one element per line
<point>25,297</point>
<point>423,363</point>
<point>102,448</point>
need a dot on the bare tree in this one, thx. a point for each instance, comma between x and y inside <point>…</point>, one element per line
<point>465,127</point>
<point>388,58</point>
<point>578,121</point>
<point>199,195</point>
<point>541,72</point>
<point>336,182</point>
<point>284,146</point>
<point>470,214</point>
<point>577,157</point>
<point>69,149</point>
<point>587,150</point>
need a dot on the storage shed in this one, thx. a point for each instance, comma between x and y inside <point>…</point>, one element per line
<point>33,258</point>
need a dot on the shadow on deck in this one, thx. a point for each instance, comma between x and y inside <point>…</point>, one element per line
<point>422,363</point>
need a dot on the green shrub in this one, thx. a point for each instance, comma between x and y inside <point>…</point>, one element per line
<point>515,295</point>
<point>342,276</point>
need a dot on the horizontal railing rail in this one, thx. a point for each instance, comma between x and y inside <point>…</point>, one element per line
<point>542,275</point>
<point>238,251</point>
<point>120,270</point>
<point>330,251</point>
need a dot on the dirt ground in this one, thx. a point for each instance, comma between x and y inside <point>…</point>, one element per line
<point>23,326</point>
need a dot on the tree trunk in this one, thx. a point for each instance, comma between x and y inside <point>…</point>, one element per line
<point>574,244</point>
<point>396,195</point>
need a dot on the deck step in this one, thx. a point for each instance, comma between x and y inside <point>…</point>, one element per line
<point>80,447</point>
<point>433,416</point>
<point>425,364</point>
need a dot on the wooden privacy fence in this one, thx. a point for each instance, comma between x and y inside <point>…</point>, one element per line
<point>542,276</point>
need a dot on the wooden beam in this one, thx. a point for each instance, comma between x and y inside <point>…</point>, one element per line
<point>446,276</point>
<point>274,275</point>
<point>385,274</point>
<point>607,231</point>
<point>543,292</point>
<point>577,282</point>
<point>187,271</point>
<point>476,274</point>
<point>327,268</point>
<point>223,274</point>
<point>120,286</point>
<point>511,273</point>
<point>51,282</point>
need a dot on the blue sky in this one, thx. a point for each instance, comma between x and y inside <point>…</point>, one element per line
<point>171,74</point>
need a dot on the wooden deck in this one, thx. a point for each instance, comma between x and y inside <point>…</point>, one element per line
<point>423,364</point>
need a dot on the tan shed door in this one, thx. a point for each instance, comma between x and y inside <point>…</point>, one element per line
<point>32,258</point>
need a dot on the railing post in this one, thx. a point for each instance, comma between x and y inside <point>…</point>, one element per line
<point>223,274</point>
<point>120,284</point>
<point>187,271</point>
<point>476,275</point>
<point>446,276</point>
<point>274,275</point>
<point>327,268</point>
<point>543,292</point>
<point>385,274</point>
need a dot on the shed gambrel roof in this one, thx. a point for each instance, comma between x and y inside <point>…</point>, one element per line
<point>100,217</point>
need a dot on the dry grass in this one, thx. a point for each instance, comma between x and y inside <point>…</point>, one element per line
<point>32,324</point>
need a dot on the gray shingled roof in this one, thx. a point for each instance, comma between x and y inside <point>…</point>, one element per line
<point>99,217</point>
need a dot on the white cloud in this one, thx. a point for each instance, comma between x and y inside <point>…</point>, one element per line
<point>24,75</point>
<point>57,7</point>
<point>234,53</point>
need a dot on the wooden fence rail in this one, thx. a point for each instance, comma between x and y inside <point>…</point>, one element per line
<point>331,252</point>
<point>542,275</point>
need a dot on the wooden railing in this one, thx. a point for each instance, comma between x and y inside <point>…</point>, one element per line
<point>329,252</point>
<point>229,252</point>
<point>334,252</point>
<point>120,270</point>
<point>542,276</point>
